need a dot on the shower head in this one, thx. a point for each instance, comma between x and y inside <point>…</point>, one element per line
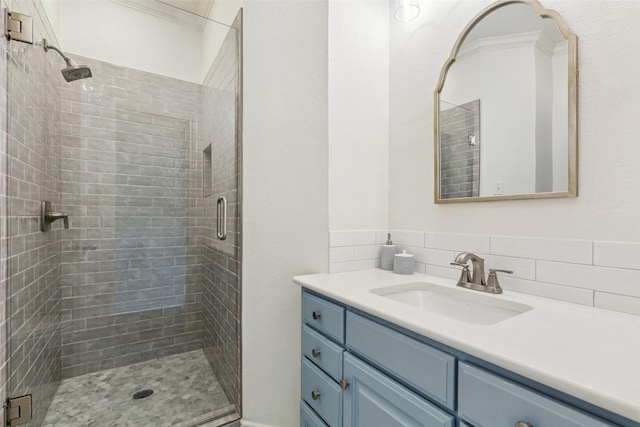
<point>73,70</point>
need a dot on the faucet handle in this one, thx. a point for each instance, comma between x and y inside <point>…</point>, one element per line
<point>465,277</point>
<point>494,271</point>
<point>492,280</point>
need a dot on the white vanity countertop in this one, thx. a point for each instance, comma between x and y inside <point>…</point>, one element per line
<point>590,353</point>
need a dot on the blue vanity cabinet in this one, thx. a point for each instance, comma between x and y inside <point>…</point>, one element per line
<point>308,418</point>
<point>324,316</point>
<point>339,389</point>
<point>360,371</point>
<point>324,353</point>
<point>490,400</point>
<point>374,399</point>
<point>422,367</point>
<point>322,360</point>
<point>321,393</point>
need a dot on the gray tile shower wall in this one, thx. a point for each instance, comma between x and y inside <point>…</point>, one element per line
<point>460,159</point>
<point>33,148</point>
<point>131,286</point>
<point>221,259</point>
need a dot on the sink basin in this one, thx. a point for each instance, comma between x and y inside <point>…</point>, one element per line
<point>465,306</point>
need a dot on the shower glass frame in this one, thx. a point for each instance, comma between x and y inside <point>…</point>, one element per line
<point>39,268</point>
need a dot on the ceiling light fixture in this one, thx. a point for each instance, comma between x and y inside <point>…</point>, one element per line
<point>406,10</point>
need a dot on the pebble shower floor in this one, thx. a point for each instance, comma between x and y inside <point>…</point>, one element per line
<point>183,385</point>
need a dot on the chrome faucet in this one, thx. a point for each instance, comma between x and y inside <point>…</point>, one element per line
<point>475,280</point>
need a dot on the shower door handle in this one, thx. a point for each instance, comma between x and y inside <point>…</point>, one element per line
<point>222,218</point>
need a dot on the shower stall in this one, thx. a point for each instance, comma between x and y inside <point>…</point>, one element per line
<point>460,148</point>
<point>131,315</point>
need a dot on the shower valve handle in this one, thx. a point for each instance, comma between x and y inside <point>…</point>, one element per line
<point>47,216</point>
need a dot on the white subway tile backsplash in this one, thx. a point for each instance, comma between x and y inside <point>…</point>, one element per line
<point>604,279</point>
<point>341,267</point>
<point>446,272</point>
<point>547,290</point>
<point>408,238</point>
<point>574,251</point>
<point>341,254</point>
<point>352,238</point>
<point>367,252</point>
<point>604,274</point>
<point>623,303</point>
<point>432,256</point>
<point>617,254</point>
<point>523,268</point>
<point>420,268</point>
<point>457,242</point>
<point>381,237</point>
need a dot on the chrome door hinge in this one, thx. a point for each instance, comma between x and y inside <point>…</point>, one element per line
<point>18,26</point>
<point>18,410</point>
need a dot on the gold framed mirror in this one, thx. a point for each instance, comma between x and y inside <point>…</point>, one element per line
<point>505,108</point>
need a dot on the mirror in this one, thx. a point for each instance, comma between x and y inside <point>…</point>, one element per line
<point>506,108</point>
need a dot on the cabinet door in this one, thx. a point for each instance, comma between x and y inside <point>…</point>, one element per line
<point>308,418</point>
<point>374,400</point>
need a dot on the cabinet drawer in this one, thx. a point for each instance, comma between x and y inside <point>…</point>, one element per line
<point>308,418</point>
<point>322,352</point>
<point>323,315</point>
<point>489,400</point>
<point>425,368</point>
<point>328,395</point>
<point>373,399</point>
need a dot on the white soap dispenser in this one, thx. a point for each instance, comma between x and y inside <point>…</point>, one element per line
<point>388,254</point>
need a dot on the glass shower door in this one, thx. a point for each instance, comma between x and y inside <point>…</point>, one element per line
<point>131,315</point>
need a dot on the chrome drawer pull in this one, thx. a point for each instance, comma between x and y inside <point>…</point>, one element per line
<point>315,395</point>
<point>315,352</point>
<point>523,424</point>
<point>315,315</point>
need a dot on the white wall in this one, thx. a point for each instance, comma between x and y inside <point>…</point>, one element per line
<point>213,34</point>
<point>504,87</point>
<point>608,206</point>
<point>560,128</point>
<point>358,114</point>
<point>52,9</point>
<point>285,174</point>
<point>124,36</point>
<point>543,83</point>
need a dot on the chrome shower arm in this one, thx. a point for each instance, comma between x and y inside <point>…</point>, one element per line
<point>47,46</point>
